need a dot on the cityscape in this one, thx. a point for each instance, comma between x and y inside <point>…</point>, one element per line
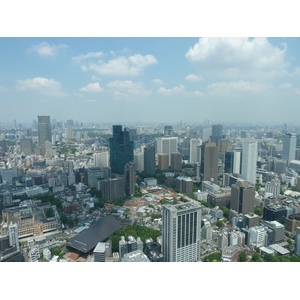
<point>112,152</point>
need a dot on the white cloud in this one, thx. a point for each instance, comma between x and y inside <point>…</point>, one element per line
<point>81,57</point>
<point>193,77</point>
<point>157,81</point>
<point>238,57</point>
<point>92,87</point>
<point>128,89</point>
<point>285,86</point>
<point>235,88</point>
<point>174,91</point>
<point>297,91</point>
<point>44,49</point>
<point>91,101</point>
<point>124,66</point>
<point>43,85</point>
<point>2,89</point>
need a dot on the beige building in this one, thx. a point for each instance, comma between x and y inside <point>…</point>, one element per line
<point>163,161</point>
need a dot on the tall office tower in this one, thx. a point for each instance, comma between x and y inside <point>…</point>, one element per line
<point>149,160</point>
<point>121,149</point>
<point>4,145</point>
<point>249,160</point>
<point>130,181</point>
<point>289,147</point>
<point>176,161</point>
<point>48,149</point>
<point>139,161</point>
<point>297,156</point>
<point>163,161</point>
<point>224,145</point>
<point>167,145</point>
<point>132,134</point>
<point>181,232</point>
<point>13,235</point>
<point>242,197</point>
<point>184,149</point>
<point>206,133</point>
<point>168,130</point>
<point>216,133</point>
<point>233,159</point>
<point>297,244</point>
<point>70,167</point>
<point>44,129</point>
<point>100,159</point>
<point>112,189</point>
<point>194,143</point>
<point>70,135</point>
<point>211,158</point>
<point>26,146</point>
<point>189,133</point>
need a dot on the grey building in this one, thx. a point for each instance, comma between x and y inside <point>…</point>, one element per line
<point>149,160</point>
<point>289,147</point>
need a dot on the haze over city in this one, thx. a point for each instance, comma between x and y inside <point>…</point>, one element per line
<point>229,80</point>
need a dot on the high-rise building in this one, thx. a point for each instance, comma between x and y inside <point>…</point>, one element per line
<point>121,149</point>
<point>273,187</point>
<point>216,133</point>
<point>249,160</point>
<point>233,159</point>
<point>176,161</point>
<point>26,146</point>
<point>129,179</point>
<point>70,135</point>
<point>168,130</point>
<point>181,232</point>
<point>99,252</point>
<point>44,129</point>
<point>149,160</point>
<point>289,147</point>
<point>242,197</point>
<point>112,189</point>
<point>167,145</point>
<point>4,145</point>
<point>163,161</point>
<point>194,157</point>
<point>13,235</point>
<point>224,145</point>
<point>100,159</point>
<point>211,158</point>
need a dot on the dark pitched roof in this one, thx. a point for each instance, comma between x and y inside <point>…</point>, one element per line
<point>98,232</point>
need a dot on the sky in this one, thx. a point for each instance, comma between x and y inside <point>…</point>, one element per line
<point>151,79</point>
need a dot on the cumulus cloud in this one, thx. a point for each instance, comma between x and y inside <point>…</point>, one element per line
<point>238,57</point>
<point>193,77</point>
<point>174,91</point>
<point>82,57</point>
<point>124,66</point>
<point>128,89</point>
<point>158,81</point>
<point>93,88</point>
<point>43,85</point>
<point>235,88</point>
<point>44,49</point>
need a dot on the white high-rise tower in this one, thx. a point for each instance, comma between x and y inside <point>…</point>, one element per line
<point>289,147</point>
<point>249,160</point>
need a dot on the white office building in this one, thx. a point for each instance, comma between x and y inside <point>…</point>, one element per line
<point>101,159</point>
<point>249,160</point>
<point>289,147</point>
<point>13,235</point>
<point>167,145</point>
<point>181,232</point>
<point>194,157</point>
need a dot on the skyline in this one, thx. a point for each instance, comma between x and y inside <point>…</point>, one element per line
<point>162,80</point>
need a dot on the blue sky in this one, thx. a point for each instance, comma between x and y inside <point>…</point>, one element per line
<point>252,80</point>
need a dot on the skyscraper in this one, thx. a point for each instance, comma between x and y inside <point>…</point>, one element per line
<point>181,233</point>
<point>194,143</point>
<point>44,129</point>
<point>242,197</point>
<point>289,147</point>
<point>129,178</point>
<point>249,160</point>
<point>233,159</point>
<point>216,133</point>
<point>121,149</point>
<point>211,158</point>
<point>176,161</point>
<point>167,145</point>
<point>149,160</point>
<point>26,146</point>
